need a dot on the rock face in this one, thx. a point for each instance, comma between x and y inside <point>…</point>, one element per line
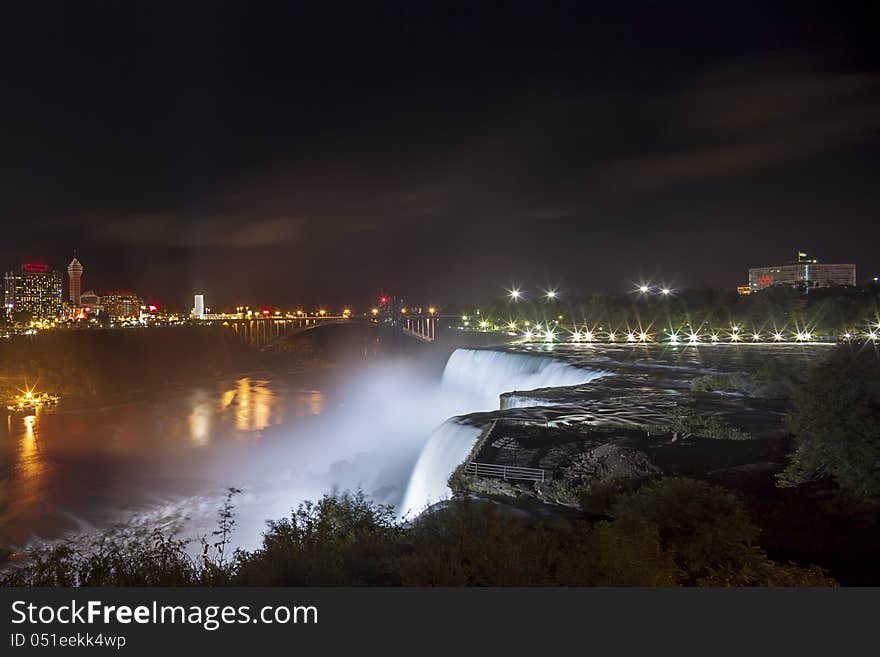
<point>573,470</point>
<point>609,464</point>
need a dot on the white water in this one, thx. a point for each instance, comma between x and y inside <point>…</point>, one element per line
<point>486,374</point>
<point>445,450</point>
<point>390,437</point>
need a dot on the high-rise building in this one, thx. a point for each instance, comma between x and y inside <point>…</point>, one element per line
<point>34,289</point>
<point>198,310</point>
<point>805,274</point>
<point>74,273</point>
<point>121,305</point>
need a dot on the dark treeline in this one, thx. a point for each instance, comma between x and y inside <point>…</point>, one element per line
<point>98,361</point>
<point>88,362</point>
<point>828,312</point>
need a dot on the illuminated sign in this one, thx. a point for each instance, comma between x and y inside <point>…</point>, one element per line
<point>765,280</point>
<point>36,268</point>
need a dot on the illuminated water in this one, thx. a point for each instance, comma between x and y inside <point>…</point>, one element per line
<point>166,454</point>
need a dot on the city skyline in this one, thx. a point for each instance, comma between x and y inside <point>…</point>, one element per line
<point>277,153</point>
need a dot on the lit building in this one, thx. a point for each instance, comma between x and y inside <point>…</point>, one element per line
<point>74,274</point>
<point>34,289</point>
<point>743,290</point>
<point>804,274</point>
<point>90,300</point>
<point>198,310</point>
<point>121,305</point>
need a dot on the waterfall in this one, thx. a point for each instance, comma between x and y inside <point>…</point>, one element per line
<point>478,377</point>
<point>444,451</point>
<point>485,374</point>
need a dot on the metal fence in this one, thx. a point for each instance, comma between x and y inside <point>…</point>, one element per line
<point>504,471</point>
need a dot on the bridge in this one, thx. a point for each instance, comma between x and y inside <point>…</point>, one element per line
<point>265,332</point>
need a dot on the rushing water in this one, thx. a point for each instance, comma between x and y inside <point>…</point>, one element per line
<point>166,454</point>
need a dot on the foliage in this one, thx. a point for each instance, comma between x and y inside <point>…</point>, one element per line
<point>153,559</point>
<point>706,532</point>
<point>836,424</point>
<point>825,312</point>
<point>670,533</point>
<point>340,540</point>
<point>706,426</point>
<point>736,382</point>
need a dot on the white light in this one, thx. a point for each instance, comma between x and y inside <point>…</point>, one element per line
<point>630,337</point>
<point>694,338</point>
<point>777,336</point>
<point>756,337</point>
<point>644,289</point>
<point>549,335</point>
<point>673,338</point>
<point>528,335</point>
<point>612,336</point>
<point>872,335</point>
<point>666,291</point>
<point>734,337</point>
<point>847,335</point>
<point>514,294</point>
<point>643,337</point>
<point>551,294</point>
<point>588,336</point>
<point>576,336</point>
<point>511,326</point>
<point>714,337</point>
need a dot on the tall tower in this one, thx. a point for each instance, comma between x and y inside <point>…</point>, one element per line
<point>198,310</point>
<point>75,272</point>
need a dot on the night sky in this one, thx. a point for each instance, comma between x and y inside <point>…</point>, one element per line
<point>280,154</point>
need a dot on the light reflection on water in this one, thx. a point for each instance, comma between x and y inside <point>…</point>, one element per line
<point>84,459</point>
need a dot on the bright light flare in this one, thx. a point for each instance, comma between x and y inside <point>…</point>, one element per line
<point>515,294</point>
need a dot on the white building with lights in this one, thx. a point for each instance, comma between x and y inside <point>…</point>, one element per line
<point>805,274</point>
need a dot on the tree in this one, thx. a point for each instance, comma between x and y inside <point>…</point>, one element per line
<point>836,424</point>
<point>703,530</point>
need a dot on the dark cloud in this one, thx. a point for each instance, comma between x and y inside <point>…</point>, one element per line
<point>749,116</point>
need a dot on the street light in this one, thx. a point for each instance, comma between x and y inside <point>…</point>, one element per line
<point>550,294</point>
<point>666,291</point>
<point>644,289</point>
<point>515,294</point>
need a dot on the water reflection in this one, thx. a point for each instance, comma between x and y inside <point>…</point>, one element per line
<point>30,463</point>
<point>200,418</point>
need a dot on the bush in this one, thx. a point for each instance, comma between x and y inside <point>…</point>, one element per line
<point>705,532</point>
<point>342,540</point>
<point>836,424</point>
<point>670,533</point>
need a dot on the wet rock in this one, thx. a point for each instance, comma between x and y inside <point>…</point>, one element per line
<point>609,463</point>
